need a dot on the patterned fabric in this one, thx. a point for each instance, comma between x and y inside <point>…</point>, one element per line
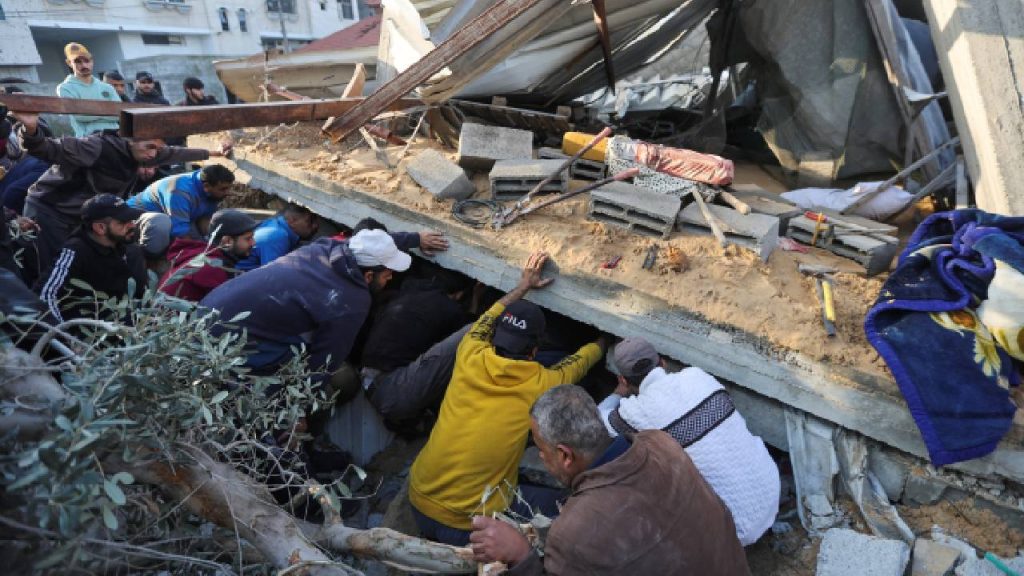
<point>949,322</point>
<point>693,425</point>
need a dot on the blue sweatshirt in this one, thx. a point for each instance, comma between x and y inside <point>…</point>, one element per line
<point>84,124</point>
<point>274,238</point>
<point>181,197</point>
<point>316,294</point>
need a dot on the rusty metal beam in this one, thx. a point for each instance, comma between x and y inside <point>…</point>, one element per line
<point>601,21</point>
<point>57,105</point>
<point>183,121</point>
<point>474,32</point>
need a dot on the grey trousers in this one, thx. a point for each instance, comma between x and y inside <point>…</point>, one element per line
<point>407,391</point>
<point>154,233</point>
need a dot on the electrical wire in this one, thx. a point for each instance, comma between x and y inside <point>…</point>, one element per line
<point>468,211</point>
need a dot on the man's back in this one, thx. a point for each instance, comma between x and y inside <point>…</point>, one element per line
<point>649,511</point>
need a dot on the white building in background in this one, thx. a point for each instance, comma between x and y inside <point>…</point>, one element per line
<point>157,33</point>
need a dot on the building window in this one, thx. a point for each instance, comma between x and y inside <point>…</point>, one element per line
<point>2,17</point>
<point>323,5</point>
<point>224,24</point>
<point>163,39</point>
<point>242,24</point>
<point>346,9</point>
<point>287,6</point>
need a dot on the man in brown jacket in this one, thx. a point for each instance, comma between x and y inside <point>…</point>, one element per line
<point>635,508</point>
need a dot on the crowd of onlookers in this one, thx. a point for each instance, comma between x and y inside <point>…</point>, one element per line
<point>662,477</point>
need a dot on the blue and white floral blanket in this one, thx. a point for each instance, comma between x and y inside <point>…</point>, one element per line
<point>949,322</point>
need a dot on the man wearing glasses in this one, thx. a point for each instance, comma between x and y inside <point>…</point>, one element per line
<point>83,86</point>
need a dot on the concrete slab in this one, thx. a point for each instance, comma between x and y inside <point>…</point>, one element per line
<point>846,397</point>
<point>981,53</point>
<point>845,552</point>
<point>933,559</point>
<point>511,179</point>
<point>634,208</point>
<point>480,146</point>
<point>439,176</point>
<point>759,232</point>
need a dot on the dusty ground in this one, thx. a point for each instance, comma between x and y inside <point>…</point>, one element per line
<point>730,287</point>
<point>964,519</point>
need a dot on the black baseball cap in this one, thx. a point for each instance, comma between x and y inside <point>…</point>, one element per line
<point>143,76</point>
<point>230,222</point>
<point>519,327</point>
<point>108,206</point>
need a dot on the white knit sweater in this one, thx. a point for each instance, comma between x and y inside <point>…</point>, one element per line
<point>733,461</point>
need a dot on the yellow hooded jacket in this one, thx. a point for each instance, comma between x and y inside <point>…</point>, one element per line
<point>481,431</point>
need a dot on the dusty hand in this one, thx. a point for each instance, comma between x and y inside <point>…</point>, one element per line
<point>432,243</point>
<point>496,541</point>
<point>29,119</point>
<point>225,149</point>
<point>26,224</point>
<point>531,277</point>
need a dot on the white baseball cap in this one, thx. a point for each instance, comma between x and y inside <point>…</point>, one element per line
<point>376,248</point>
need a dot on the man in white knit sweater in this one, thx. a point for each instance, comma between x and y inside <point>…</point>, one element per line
<point>697,411</point>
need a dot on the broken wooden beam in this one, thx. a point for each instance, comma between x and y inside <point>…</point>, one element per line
<point>601,21</point>
<point>31,103</point>
<point>183,121</point>
<point>474,32</point>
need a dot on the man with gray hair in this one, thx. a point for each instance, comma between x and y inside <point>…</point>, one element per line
<point>694,408</point>
<point>656,513</point>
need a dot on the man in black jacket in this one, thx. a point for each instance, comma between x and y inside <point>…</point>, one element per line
<point>102,254</point>
<point>195,93</point>
<point>102,163</point>
<point>146,91</point>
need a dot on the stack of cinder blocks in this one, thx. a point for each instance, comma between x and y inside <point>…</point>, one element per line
<point>758,232</point>
<point>511,179</point>
<point>874,251</point>
<point>581,169</point>
<point>635,209</point>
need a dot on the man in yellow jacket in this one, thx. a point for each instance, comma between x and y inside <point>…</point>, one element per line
<point>480,434</point>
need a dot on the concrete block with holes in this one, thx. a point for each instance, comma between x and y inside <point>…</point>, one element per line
<point>481,146</point>
<point>874,251</point>
<point>759,232</point>
<point>634,208</point>
<point>439,176</point>
<point>581,169</point>
<point>511,179</point>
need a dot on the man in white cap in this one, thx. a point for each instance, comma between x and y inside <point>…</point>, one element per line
<point>81,84</point>
<point>317,296</point>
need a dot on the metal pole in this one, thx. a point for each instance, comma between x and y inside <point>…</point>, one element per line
<point>284,33</point>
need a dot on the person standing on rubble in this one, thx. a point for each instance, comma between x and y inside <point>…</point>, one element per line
<point>697,411</point>
<point>638,506</point>
<point>493,385</point>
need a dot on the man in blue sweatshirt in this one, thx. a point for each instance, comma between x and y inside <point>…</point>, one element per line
<point>180,206</point>
<point>81,84</point>
<point>281,234</point>
<point>317,296</point>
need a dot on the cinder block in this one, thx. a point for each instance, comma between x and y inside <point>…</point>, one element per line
<point>510,179</point>
<point>581,169</point>
<point>439,176</point>
<point>759,232</point>
<point>933,559</point>
<point>771,204</point>
<point>480,146</point>
<point>874,252</point>
<point>631,207</point>
<point>844,552</point>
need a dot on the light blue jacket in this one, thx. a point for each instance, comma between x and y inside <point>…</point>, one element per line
<point>83,124</point>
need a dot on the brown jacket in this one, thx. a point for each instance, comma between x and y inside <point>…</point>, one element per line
<point>648,512</point>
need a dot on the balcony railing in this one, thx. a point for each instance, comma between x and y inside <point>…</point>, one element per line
<point>182,6</point>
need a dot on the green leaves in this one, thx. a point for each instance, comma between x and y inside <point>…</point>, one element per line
<point>219,397</point>
<point>114,492</point>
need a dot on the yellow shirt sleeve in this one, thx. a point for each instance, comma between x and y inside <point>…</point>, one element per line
<point>574,367</point>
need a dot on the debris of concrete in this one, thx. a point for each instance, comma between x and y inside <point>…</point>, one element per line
<point>933,559</point>
<point>762,202</point>
<point>922,489</point>
<point>844,552</point>
<point>965,549</point>
<point>511,179</point>
<point>984,567</point>
<point>891,470</point>
<point>758,232</point>
<point>480,146</point>
<point>581,169</point>
<point>874,252</point>
<point>819,505</point>
<point>634,208</point>
<point>439,176</point>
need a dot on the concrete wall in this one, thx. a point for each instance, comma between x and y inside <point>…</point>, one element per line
<point>170,72</point>
<point>26,73</point>
<point>981,52</point>
<point>18,48</point>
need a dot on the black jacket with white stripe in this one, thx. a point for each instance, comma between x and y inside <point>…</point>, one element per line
<point>105,270</point>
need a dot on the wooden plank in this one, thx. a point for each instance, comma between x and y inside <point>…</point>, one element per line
<point>601,21</point>
<point>57,105</point>
<point>470,35</point>
<point>183,121</point>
